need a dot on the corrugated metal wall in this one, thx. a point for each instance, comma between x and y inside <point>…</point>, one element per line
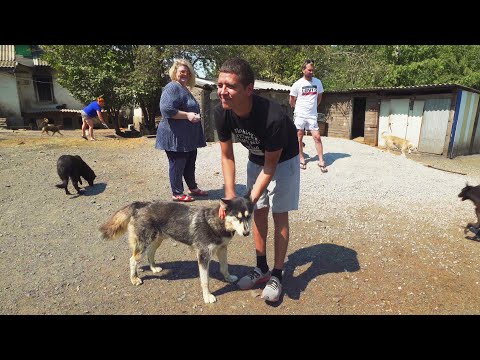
<point>476,139</point>
<point>414,123</point>
<point>464,124</point>
<point>434,125</point>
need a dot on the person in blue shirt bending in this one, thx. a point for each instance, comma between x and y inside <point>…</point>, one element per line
<point>91,111</point>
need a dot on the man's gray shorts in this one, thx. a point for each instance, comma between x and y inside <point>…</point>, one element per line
<point>283,192</point>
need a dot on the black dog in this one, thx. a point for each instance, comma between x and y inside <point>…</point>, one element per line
<point>74,167</point>
<point>472,193</point>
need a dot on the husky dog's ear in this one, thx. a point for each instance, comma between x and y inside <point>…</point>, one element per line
<point>247,195</point>
<point>224,203</point>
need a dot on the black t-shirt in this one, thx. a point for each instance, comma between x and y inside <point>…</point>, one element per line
<point>268,128</point>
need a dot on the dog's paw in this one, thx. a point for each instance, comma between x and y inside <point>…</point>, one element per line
<point>209,298</point>
<point>156,269</point>
<point>231,278</point>
<point>136,281</point>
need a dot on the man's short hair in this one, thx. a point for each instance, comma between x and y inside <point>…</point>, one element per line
<point>306,62</point>
<point>241,68</point>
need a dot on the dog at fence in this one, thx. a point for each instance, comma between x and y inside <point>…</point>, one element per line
<point>73,167</point>
<point>472,193</point>
<point>149,223</point>
<point>395,142</point>
<point>46,128</point>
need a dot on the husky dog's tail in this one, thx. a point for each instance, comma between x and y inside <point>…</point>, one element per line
<point>117,224</point>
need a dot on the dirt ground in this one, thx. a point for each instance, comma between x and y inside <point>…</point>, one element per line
<point>53,261</point>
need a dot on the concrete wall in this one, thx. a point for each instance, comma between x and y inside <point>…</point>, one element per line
<point>63,96</point>
<point>28,97</point>
<point>9,103</point>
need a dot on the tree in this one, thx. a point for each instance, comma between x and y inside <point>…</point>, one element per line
<point>89,71</point>
<point>148,76</point>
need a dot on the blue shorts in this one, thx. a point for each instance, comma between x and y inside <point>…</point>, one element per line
<point>283,192</point>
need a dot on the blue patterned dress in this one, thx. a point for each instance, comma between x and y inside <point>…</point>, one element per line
<point>178,135</point>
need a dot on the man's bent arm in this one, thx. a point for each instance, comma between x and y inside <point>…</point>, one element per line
<point>228,168</point>
<point>266,175</point>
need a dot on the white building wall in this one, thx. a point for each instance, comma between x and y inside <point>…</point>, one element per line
<point>28,97</point>
<point>9,104</point>
<point>63,96</point>
<point>26,90</point>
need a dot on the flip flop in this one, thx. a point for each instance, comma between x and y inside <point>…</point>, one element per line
<point>323,168</point>
<point>84,137</point>
<point>303,166</point>
<point>182,198</point>
<point>198,192</point>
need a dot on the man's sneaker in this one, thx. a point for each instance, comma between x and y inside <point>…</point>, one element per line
<point>255,277</point>
<point>272,290</point>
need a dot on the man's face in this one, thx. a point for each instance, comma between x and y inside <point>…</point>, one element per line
<point>231,92</point>
<point>308,71</point>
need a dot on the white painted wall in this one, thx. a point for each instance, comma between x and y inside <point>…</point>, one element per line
<point>28,98</point>
<point>63,96</point>
<point>9,103</point>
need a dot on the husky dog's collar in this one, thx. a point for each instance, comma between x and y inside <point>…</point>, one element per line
<point>224,213</point>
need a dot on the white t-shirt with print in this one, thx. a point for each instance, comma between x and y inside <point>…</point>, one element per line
<point>307,94</point>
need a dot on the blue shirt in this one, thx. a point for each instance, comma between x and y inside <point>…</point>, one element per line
<point>91,109</point>
<point>178,135</point>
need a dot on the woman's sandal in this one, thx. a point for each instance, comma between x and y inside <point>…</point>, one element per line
<point>182,198</point>
<point>323,168</point>
<point>197,192</point>
<point>303,166</point>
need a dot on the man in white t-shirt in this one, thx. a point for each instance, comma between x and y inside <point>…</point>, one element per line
<point>305,96</point>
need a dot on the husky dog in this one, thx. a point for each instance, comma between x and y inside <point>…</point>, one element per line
<point>397,142</point>
<point>149,223</point>
<point>46,127</point>
<point>472,193</point>
<point>73,167</point>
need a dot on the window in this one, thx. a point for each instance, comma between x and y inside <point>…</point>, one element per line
<point>44,88</point>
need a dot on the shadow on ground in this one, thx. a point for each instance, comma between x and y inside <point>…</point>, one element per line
<point>95,189</point>
<point>217,194</point>
<point>323,259</point>
<point>329,158</point>
<point>178,270</point>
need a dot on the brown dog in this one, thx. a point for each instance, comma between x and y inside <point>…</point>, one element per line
<point>472,193</point>
<point>403,145</point>
<point>46,127</point>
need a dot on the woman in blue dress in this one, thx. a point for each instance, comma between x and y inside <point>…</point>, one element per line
<point>180,132</point>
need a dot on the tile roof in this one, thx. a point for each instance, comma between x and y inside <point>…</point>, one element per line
<point>7,56</point>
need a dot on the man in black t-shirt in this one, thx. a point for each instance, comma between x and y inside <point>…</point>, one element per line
<point>273,169</point>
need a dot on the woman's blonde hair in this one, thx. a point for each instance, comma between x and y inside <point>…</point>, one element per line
<point>173,71</point>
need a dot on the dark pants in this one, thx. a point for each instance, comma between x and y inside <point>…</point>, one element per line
<point>182,165</point>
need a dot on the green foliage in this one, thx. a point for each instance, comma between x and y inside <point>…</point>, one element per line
<point>133,75</point>
<point>89,71</point>
<point>358,66</point>
<point>126,75</point>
